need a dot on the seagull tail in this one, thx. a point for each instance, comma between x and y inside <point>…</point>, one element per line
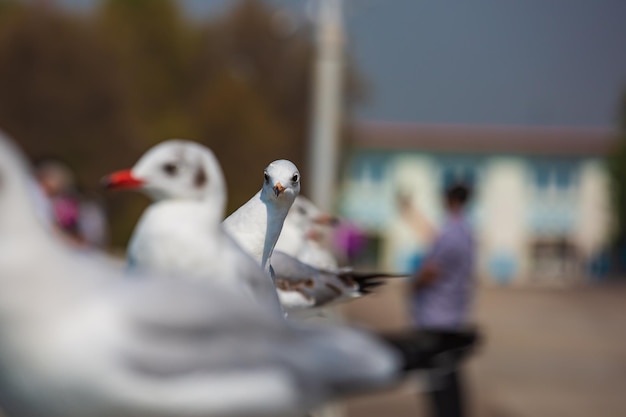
<point>433,349</point>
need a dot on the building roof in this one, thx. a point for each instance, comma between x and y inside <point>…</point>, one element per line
<point>481,139</point>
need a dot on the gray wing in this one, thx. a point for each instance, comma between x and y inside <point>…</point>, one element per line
<point>187,339</point>
<point>302,286</point>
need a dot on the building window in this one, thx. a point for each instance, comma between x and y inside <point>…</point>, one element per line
<point>563,178</point>
<point>542,177</point>
<point>557,176</point>
<point>368,168</point>
<point>458,174</point>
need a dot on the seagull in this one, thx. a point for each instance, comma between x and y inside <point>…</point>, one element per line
<point>307,273</point>
<point>302,287</point>
<point>301,233</point>
<point>78,338</point>
<point>181,231</point>
<point>257,224</point>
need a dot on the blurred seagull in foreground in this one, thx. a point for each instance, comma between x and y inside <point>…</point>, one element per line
<point>181,232</point>
<point>77,338</point>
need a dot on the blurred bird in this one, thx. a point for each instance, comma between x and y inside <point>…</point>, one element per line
<point>303,287</point>
<point>307,272</point>
<point>78,338</point>
<point>301,235</point>
<point>181,232</point>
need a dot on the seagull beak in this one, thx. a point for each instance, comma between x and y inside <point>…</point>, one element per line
<point>326,220</point>
<point>278,189</point>
<point>121,180</point>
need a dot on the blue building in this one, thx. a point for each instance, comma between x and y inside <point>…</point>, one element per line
<point>541,197</point>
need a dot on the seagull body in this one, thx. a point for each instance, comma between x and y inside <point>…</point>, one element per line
<point>78,338</point>
<point>306,272</point>
<point>257,224</point>
<point>181,232</point>
<point>303,288</point>
<point>300,235</point>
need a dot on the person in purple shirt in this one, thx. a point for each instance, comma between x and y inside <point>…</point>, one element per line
<point>442,291</point>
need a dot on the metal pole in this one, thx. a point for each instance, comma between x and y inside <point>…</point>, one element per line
<point>326,119</point>
<point>327,104</point>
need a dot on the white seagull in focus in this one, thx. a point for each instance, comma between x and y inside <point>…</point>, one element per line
<point>78,338</point>
<point>257,224</point>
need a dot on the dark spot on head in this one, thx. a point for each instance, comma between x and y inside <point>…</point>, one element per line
<point>301,210</point>
<point>200,178</point>
<point>267,177</point>
<point>170,169</point>
<point>295,177</point>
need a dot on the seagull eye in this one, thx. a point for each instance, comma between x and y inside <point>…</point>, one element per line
<point>295,178</point>
<point>267,177</point>
<point>170,169</point>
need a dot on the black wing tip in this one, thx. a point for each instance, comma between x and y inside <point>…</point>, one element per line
<point>369,281</point>
<point>369,275</point>
<point>428,349</point>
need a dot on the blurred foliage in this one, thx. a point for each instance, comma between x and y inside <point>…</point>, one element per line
<point>617,171</point>
<point>99,89</point>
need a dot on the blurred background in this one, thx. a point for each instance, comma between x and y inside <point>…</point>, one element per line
<point>381,104</point>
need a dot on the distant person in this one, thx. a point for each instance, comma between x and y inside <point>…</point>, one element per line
<point>57,182</point>
<point>82,221</point>
<point>442,291</point>
<point>92,223</point>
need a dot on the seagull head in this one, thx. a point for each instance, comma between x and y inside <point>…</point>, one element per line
<point>281,181</point>
<point>174,169</point>
<point>305,214</point>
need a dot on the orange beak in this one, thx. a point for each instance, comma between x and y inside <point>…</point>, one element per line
<point>278,189</point>
<point>121,180</point>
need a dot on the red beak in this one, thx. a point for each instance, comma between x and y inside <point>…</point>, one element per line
<point>121,180</point>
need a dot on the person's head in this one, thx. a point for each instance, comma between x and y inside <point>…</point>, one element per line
<point>55,177</point>
<point>456,197</point>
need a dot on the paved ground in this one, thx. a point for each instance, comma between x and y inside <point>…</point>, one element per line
<point>548,353</point>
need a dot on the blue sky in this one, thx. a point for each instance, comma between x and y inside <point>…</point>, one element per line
<point>516,62</point>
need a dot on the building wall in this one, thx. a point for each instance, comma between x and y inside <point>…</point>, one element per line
<point>527,212</point>
<point>501,229</point>
<point>594,226</point>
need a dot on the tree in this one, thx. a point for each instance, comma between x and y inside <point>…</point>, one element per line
<point>101,89</point>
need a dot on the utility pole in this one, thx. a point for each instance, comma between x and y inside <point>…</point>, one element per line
<point>327,104</point>
<point>326,119</point>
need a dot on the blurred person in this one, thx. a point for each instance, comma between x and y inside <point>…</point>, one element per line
<point>81,220</point>
<point>441,294</point>
<point>350,241</point>
<point>92,222</point>
<point>57,182</point>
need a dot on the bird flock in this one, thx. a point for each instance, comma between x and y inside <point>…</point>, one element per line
<point>202,320</point>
